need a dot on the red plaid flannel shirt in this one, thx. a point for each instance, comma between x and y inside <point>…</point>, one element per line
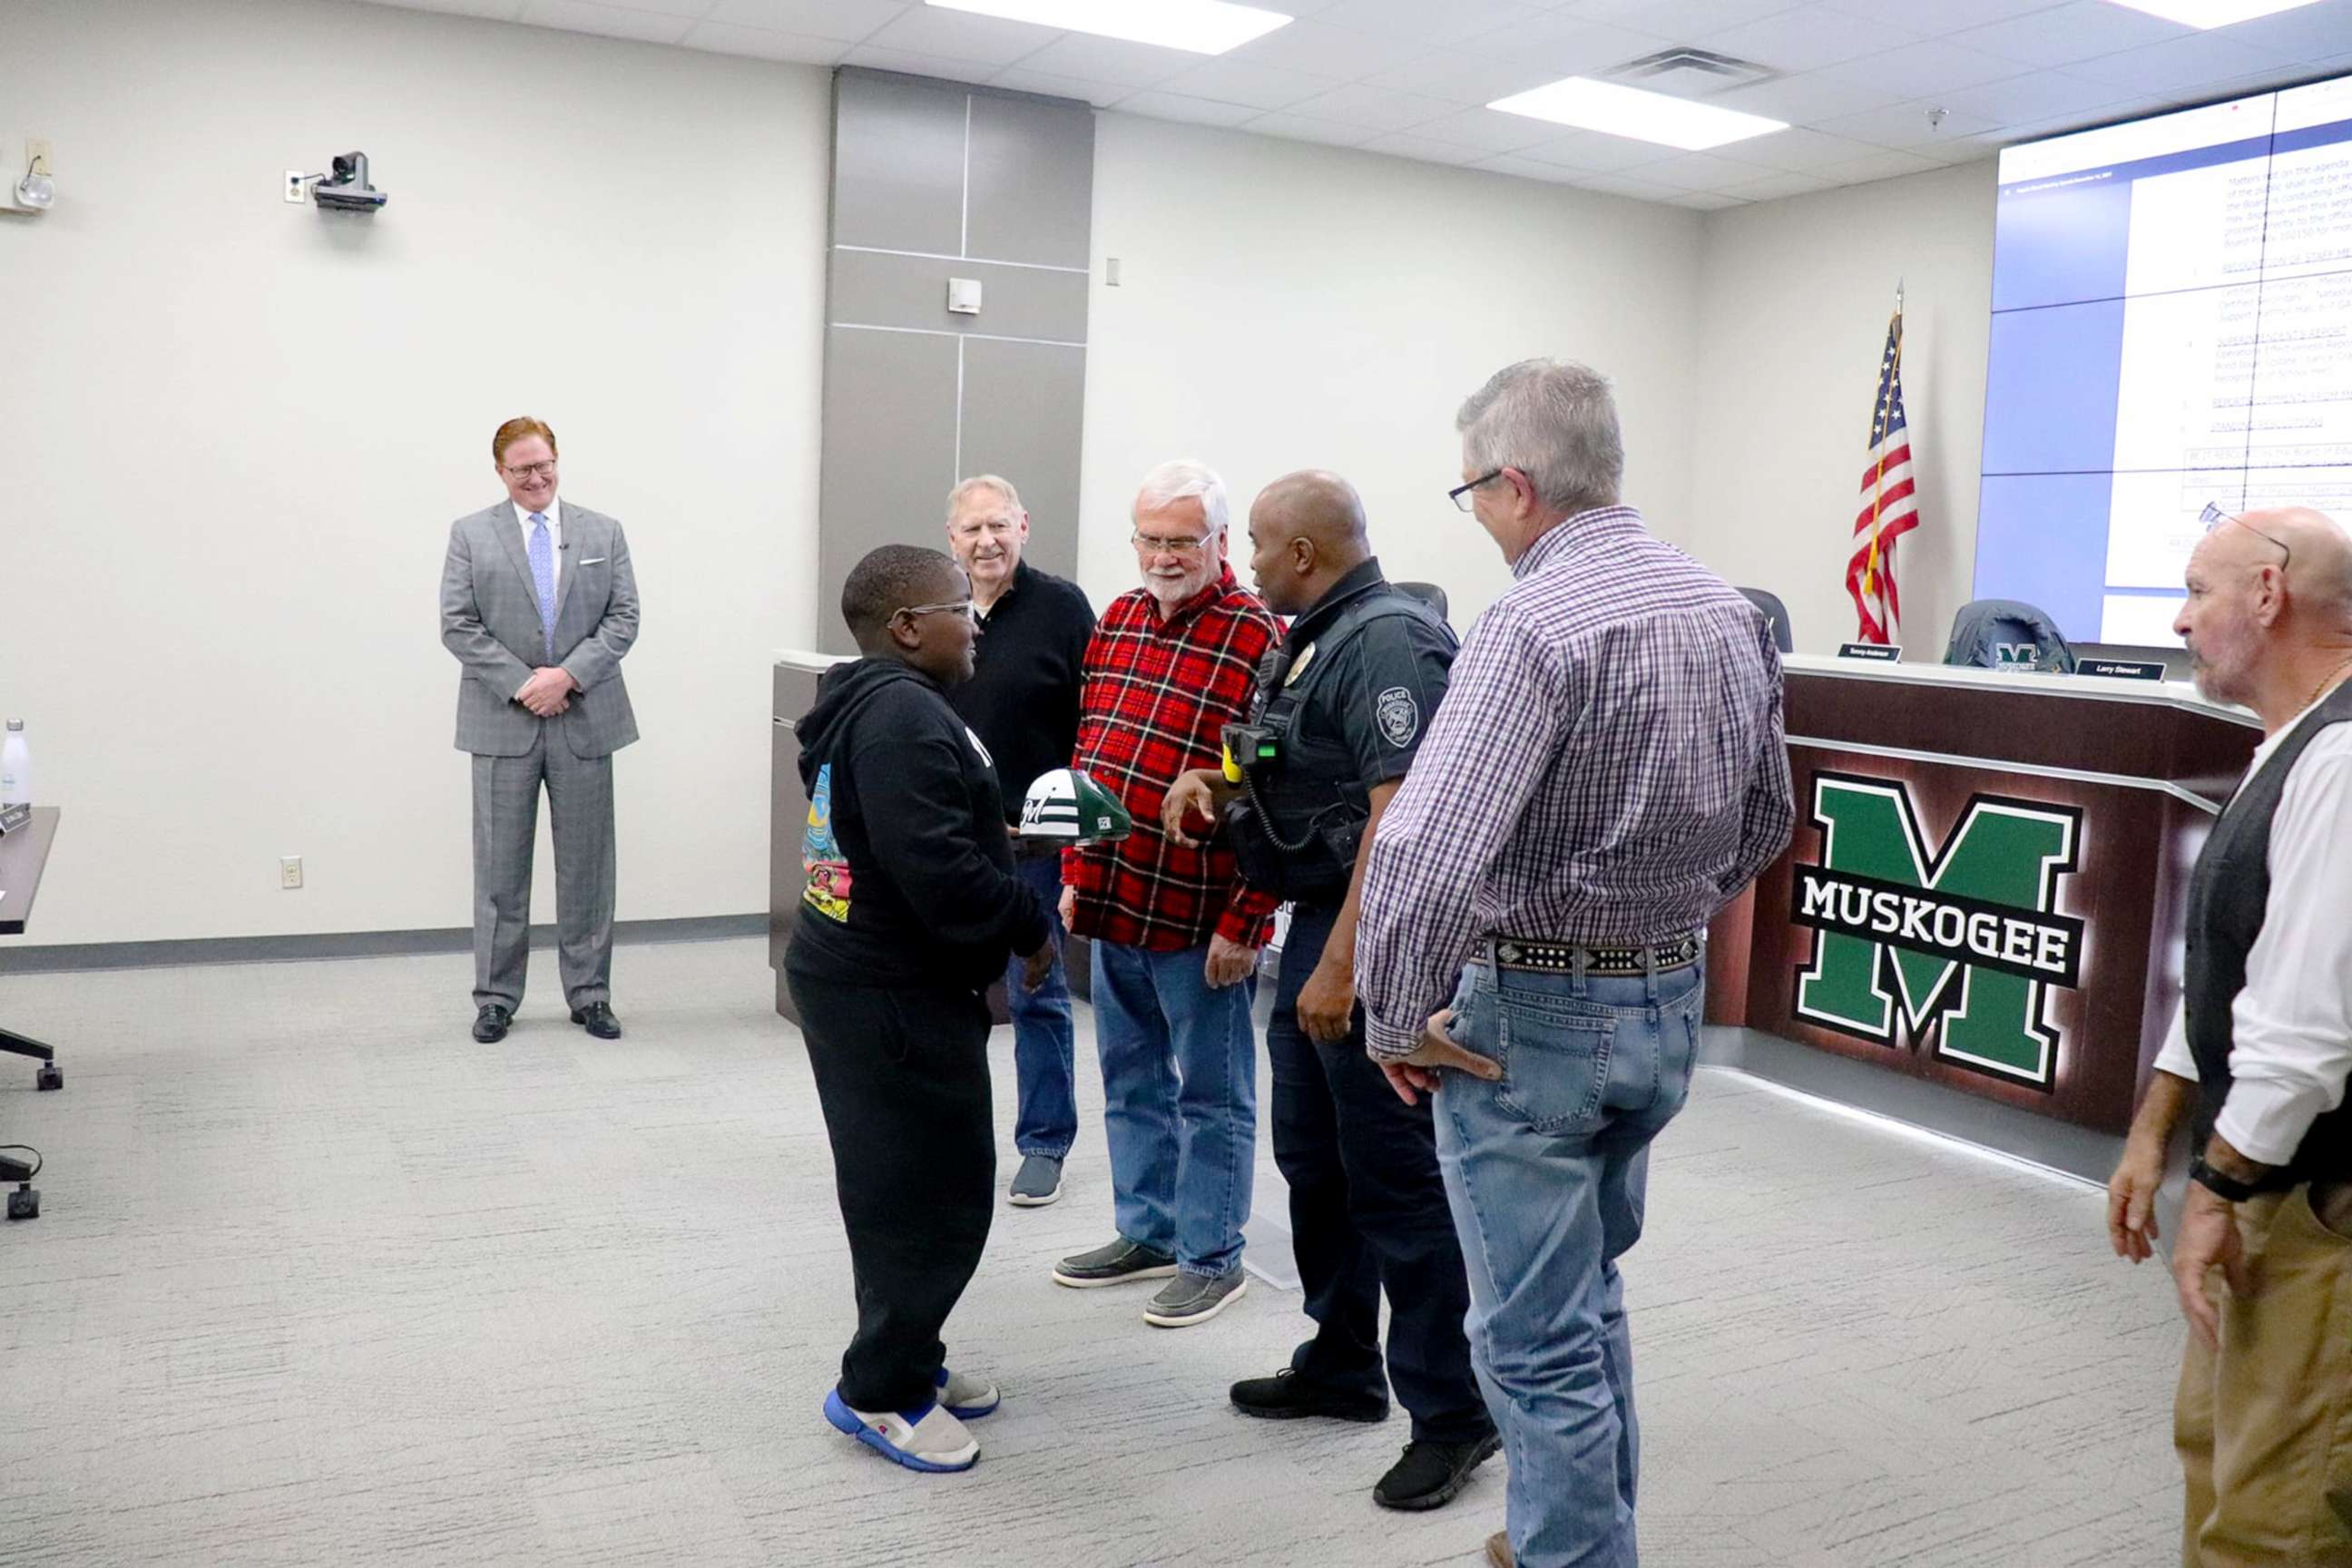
<point>1157,695</point>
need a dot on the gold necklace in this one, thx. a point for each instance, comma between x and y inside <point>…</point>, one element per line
<point>2325,680</point>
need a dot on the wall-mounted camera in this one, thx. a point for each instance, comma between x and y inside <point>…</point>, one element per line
<point>346,188</point>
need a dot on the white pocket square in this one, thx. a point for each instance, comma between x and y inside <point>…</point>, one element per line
<point>596,561</point>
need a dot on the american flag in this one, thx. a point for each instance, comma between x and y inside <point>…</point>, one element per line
<point>1889,508</point>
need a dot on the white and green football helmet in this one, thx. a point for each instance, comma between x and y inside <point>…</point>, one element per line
<point>1067,803</point>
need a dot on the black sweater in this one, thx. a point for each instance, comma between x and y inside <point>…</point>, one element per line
<point>1023,698</point>
<point>910,874</point>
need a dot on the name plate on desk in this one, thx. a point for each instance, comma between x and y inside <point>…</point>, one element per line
<point>2121,668</point>
<point>13,817</point>
<point>1884,653</point>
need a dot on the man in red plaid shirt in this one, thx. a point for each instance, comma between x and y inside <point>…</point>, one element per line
<point>1174,931</point>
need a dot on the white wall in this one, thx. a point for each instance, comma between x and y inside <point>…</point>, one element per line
<point>236,431</point>
<point>1791,311</point>
<point>1288,305</point>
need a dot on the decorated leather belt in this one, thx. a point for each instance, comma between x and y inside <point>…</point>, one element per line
<point>1557,958</point>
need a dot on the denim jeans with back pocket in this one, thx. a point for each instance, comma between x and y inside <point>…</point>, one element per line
<point>1546,1171</point>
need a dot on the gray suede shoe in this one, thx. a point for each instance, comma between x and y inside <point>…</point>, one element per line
<point>1191,1299</point>
<point>1038,1183</point>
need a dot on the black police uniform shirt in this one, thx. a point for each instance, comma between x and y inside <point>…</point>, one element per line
<point>1372,707</point>
<point>1023,698</point>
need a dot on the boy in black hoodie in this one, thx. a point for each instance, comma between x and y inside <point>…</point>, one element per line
<point>912,909</point>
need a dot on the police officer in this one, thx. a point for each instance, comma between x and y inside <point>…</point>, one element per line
<point>1342,703</point>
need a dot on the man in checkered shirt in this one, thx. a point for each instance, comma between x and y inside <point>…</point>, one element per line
<point>1174,931</point>
<point>1608,769</point>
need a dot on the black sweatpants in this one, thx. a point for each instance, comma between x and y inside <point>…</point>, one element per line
<point>1368,1211</point>
<point>902,1076</point>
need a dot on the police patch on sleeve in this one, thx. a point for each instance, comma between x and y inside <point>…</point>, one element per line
<point>1400,716</point>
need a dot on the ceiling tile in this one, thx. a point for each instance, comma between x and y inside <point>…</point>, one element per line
<point>1627,185</point>
<point>1800,151</point>
<point>1176,106</point>
<point>1374,107</point>
<point>851,19</point>
<point>1241,81</point>
<point>1562,44</point>
<point>760,42</point>
<point>2308,34</point>
<point>1324,50</point>
<point>1775,187</point>
<point>1701,172</point>
<point>2040,95</point>
<point>1878,166</point>
<point>1938,18</point>
<point>2181,65</point>
<point>611,21</point>
<point>1453,22</point>
<point>1111,60</point>
<point>1706,201</point>
<point>907,63</point>
<point>1101,94</point>
<point>1529,169</point>
<point>1465,78</point>
<point>1597,153</point>
<point>1808,37</point>
<point>1802,99</point>
<point>1489,130</point>
<point>2064,34</point>
<point>1684,21</point>
<point>960,36</point>
<point>1298,128</point>
<point>1906,125</point>
<point>1922,71</point>
<point>1407,145</point>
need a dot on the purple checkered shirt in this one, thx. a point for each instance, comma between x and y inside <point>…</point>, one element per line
<point>1609,767</point>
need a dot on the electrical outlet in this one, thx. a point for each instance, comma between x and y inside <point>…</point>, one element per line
<point>290,872</point>
<point>298,187</point>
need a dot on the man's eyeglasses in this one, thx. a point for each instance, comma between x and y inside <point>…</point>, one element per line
<point>963,607</point>
<point>2213,517</point>
<point>1460,494</point>
<point>545,471</point>
<point>1177,544</point>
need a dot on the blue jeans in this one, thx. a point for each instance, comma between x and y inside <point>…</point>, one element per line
<point>1044,1047</point>
<point>1180,1102</point>
<point>1546,1170</point>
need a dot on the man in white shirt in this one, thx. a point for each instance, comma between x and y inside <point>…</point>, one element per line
<point>2258,1058</point>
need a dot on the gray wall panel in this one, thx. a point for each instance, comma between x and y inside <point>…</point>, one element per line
<point>1032,182</point>
<point>898,163</point>
<point>890,454</point>
<point>1024,404</point>
<point>912,292</point>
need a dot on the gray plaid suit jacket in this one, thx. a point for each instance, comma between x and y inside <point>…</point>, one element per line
<point>489,619</point>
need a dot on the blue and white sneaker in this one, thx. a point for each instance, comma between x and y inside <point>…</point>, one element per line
<point>929,1439</point>
<point>966,1398</point>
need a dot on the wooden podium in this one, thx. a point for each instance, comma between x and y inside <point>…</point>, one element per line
<point>1986,883</point>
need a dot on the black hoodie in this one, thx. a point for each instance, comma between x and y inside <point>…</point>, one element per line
<point>910,871</point>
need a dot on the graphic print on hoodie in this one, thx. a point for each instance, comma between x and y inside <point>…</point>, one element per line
<point>821,857</point>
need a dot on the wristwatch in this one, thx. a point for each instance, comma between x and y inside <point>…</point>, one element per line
<point>2227,1188</point>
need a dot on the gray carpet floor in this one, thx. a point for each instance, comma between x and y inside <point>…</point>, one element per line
<point>318,1281</point>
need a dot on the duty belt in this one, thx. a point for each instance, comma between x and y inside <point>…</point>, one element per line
<point>1565,958</point>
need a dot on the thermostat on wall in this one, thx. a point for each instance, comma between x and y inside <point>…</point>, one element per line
<point>964,296</point>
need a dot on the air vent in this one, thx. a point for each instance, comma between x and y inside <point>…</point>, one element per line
<point>1689,72</point>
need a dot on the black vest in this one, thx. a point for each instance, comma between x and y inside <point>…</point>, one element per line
<point>2228,900</point>
<point>1312,796</point>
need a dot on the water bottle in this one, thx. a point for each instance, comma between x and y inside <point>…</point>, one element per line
<point>16,768</point>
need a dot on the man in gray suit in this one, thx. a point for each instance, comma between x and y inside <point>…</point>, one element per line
<point>539,603</point>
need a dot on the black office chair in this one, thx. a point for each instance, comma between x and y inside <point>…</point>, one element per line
<point>1429,594</point>
<point>2008,634</point>
<point>1776,612</point>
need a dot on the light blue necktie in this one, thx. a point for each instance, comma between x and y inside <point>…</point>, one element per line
<point>542,572</point>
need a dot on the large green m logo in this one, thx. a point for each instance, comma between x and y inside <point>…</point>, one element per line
<point>1967,937</point>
